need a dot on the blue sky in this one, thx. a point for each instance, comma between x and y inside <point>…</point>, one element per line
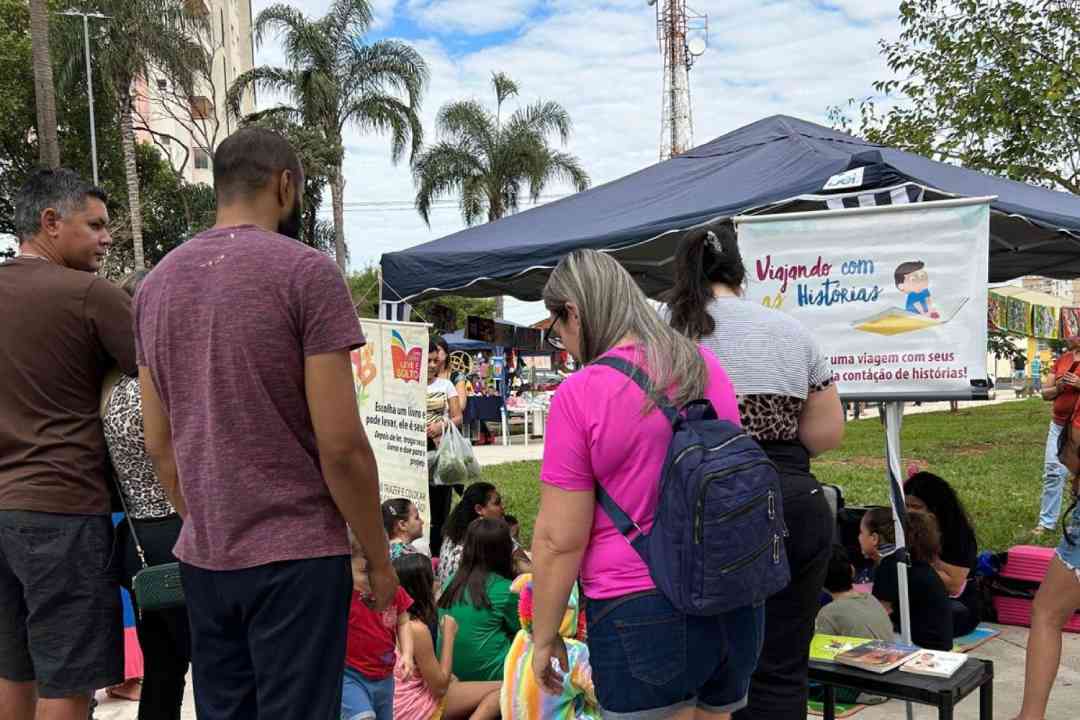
<point>599,58</point>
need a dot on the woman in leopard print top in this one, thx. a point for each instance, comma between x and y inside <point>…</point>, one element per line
<point>789,404</point>
<point>164,635</point>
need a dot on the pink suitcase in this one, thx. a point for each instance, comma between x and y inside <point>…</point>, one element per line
<point>1016,611</point>
<point>1027,562</point>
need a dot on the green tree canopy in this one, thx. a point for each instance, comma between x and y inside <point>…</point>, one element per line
<point>991,84</point>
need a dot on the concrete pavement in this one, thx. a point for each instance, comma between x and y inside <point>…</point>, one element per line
<point>1007,652</point>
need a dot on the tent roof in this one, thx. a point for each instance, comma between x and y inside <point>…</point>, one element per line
<point>457,341</point>
<point>640,217</point>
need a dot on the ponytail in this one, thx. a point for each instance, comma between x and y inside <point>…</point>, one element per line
<point>706,255</point>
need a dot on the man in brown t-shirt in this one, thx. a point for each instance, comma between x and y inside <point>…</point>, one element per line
<point>60,615</point>
<point>243,339</point>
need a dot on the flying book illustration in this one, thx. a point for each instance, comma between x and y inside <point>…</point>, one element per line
<point>896,321</point>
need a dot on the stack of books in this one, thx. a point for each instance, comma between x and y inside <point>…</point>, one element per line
<point>879,656</point>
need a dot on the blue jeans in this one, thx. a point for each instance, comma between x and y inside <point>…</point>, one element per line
<point>649,661</point>
<point>365,699</point>
<point>1054,476</point>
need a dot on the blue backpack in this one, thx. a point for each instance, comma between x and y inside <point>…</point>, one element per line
<point>717,540</point>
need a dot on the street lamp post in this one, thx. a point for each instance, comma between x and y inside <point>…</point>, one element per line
<point>89,82</point>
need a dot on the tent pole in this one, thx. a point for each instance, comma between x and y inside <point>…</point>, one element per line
<point>378,279</point>
<point>894,420</point>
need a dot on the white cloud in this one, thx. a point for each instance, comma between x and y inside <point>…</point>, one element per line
<point>599,58</point>
<point>470,17</point>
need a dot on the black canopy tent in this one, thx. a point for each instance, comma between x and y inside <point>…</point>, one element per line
<point>774,165</point>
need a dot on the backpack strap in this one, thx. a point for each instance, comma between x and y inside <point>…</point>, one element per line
<point>641,379</point>
<point>623,522</point>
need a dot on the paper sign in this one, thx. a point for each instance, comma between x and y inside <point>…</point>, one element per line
<point>391,392</point>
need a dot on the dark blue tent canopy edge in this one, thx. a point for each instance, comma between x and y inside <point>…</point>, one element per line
<point>775,161</point>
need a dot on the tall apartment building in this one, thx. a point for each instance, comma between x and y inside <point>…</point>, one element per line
<point>188,126</point>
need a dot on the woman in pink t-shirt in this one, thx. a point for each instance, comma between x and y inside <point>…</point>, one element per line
<point>648,659</point>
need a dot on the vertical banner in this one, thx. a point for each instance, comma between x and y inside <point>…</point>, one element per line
<point>391,393</point>
<point>896,296</point>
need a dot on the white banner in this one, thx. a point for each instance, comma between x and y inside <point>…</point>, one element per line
<point>896,296</point>
<point>391,392</point>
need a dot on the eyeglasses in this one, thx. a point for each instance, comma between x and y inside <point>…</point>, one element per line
<point>554,339</point>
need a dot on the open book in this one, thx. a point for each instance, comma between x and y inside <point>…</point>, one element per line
<point>896,321</point>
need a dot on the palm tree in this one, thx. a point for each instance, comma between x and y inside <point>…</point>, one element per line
<point>138,37</point>
<point>44,91</point>
<point>336,81</point>
<point>487,162</point>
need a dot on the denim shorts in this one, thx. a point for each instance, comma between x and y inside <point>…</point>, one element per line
<point>650,661</point>
<point>1066,551</point>
<point>365,699</point>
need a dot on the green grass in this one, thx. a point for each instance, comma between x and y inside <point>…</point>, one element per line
<point>992,455</point>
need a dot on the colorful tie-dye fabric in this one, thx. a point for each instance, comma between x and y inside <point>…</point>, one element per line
<point>522,698</point>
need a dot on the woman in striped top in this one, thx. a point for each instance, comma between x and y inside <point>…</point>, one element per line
<point>789,404</point>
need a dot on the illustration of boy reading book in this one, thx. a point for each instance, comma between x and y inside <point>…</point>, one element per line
<point>912,278</point>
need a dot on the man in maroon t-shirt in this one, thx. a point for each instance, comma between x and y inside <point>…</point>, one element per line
<point>243,338</point>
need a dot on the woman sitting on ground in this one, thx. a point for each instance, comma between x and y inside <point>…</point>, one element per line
<point>480,600</point>
<point>403,526</point>
<point>929,493</point>
<point>931,620</point>
<point>431,691</point>
<point>481,499</point>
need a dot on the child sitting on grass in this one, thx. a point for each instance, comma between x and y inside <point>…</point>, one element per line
<point>403,526</point>
<point>931,614</point>
<point>851,613</point>
<point>372,656</point>
<point>430,691</point>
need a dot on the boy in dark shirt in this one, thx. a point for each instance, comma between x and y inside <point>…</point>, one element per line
<point>931,615</point>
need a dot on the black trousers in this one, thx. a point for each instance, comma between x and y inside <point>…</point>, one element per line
<point>164,635</point>
<point>268,642</point>
<point>440,498</point>
<point>778,689</point>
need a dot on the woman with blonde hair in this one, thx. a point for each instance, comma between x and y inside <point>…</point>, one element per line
<point>648,659</point>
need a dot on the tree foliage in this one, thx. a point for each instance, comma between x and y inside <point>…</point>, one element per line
<point>1000,345</point>
<point>335,81</point>
<point>488,163</point>
<point>364,286</point>
<point>174,209</point>
<point>991,84</point>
